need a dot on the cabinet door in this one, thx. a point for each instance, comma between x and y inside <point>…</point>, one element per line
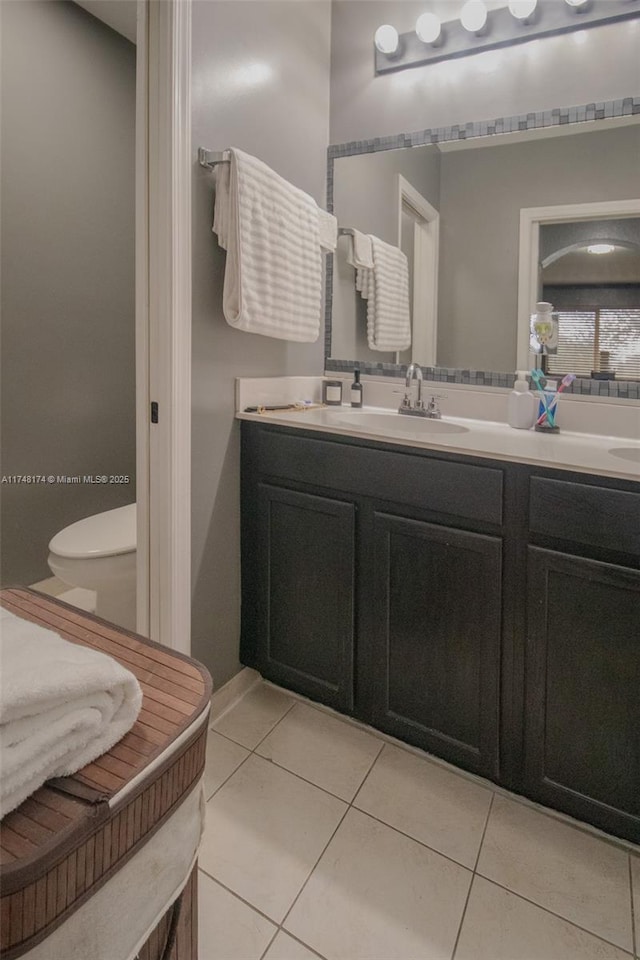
<point>305,593</point>
<point>582,699</point>
<point>437,639</point>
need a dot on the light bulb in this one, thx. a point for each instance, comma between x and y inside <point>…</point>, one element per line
<point>599,248</point>
<point>473,15</point>
<point>576,4</point>
<point>386,39</point>
<point>428,27</point>
<point>522,9</point>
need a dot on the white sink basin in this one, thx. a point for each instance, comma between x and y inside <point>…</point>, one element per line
<point>626,453</point>
<point>392,424</point>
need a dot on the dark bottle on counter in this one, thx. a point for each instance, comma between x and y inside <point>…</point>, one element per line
<point>356,390</point>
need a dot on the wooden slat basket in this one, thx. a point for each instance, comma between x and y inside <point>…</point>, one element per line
<point>66,840</point>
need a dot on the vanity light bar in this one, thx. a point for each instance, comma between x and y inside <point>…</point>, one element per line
<point>503,28</point>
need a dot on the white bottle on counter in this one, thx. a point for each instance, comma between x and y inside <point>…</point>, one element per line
<point>522,407</point>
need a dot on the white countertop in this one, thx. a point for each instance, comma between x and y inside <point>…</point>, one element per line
<point>581,452</point>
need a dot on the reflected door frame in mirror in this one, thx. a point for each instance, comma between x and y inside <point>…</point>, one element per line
<point>531,219</point>
<point>426,248</point>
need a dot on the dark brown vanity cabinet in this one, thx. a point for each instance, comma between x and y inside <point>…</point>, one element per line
<point>582,688</point>
<point>436,639</point>
<point>303,604</point>
<point>485,611</point>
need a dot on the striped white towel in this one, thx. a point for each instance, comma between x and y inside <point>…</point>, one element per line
<point>359,252</point>
<point>386,290</point>
<point>271,232</point>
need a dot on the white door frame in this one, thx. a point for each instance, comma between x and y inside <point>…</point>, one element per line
<point>529,258</point>
<point>426,240</point>
<point>163,321</point>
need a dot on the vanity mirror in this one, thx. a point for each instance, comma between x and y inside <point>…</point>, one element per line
<point>453,199</point>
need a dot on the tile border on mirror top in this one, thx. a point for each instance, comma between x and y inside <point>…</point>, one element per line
<point>555,117</point>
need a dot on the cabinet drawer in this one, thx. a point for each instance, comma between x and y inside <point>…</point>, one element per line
<point>456,489</point>
<point>595,516</point>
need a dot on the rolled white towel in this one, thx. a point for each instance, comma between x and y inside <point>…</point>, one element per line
<point>62,705</point>
<point>328,230</point>
<point>360,253</point>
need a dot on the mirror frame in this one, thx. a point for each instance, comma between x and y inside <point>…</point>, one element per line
<point>556,117</point>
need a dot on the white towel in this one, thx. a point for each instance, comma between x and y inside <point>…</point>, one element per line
<point>328,230</point>
<point>360,253</point>
<point>61,706</point>
<point>386,290</point>
<point>271,232</point>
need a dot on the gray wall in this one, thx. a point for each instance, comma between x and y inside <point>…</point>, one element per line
<point>260,83</point>
<point>591,65</point>
<point>68,390</point>
<point>481,194</point>
<point>365,196</point>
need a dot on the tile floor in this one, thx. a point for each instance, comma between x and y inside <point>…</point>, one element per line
<point>324,840</point>
<point>76,596</point>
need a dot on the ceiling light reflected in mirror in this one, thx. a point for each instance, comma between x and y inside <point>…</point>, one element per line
<point>600,248</point>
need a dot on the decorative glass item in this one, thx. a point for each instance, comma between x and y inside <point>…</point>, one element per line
<point>544,329</point>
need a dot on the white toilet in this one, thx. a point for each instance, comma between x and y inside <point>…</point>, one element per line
<point>99,553</point>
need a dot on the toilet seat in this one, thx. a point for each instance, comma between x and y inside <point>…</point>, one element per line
<point>107,534</point>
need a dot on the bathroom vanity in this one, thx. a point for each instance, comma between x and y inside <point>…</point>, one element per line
<point>485,610</point>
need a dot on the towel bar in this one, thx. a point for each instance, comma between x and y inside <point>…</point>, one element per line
<point>345,231</point>
<point>209,158</point>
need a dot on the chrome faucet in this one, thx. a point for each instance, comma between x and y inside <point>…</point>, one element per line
<point>409,406</point>
<point>416,408</point>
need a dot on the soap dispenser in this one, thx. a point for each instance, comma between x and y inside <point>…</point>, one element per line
<point>521,405</point>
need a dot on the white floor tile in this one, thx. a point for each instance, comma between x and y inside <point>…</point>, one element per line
<point>635,880</point>
<point>285,947</point>
<point>498,925</point>
<point>265,830</point>
<point>227,928</point>
<point>223,757</point>
<point>377,895</point>
<point>52,586</point>
<point>80,598</point>
<point>328,752</point>
<point>431,804</point>
<point>573,874</point>
<point>254,716</point>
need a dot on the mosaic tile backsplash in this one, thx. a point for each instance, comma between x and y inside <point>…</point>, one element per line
<point>627,106</point>
<point>622,389</point>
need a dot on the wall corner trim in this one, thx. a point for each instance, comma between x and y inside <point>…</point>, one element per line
<point>169,286</point>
